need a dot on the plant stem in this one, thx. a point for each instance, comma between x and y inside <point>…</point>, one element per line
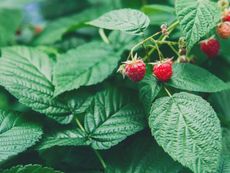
<point>100,159</point>
<point>173,26</point>
<point>167,42</point>
<point>167,91</point>
<point>103,36</point>
<point>162,38</point>
<point>96,152</point>
<point>80,125</point>
<point>141,43</point>
<point>158,50</point>
<point>174,50</point>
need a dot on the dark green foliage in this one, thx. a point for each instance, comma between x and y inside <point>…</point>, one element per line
<point>65,108</point>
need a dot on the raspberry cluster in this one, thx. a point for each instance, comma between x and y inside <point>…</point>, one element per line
<point>211,46</point>
<point>135,69</point>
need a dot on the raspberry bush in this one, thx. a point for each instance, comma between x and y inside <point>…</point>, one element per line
<point>114,86</point>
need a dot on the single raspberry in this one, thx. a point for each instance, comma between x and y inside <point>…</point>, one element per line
<point>210,47</point>
<point>226,16</point>
<point>223,30</point>
<point>135,69</point>
<point>163,70</point>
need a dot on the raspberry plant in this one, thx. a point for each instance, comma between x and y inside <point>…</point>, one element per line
<point>114,86</point>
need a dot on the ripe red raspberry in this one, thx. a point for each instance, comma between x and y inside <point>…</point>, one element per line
<point>226,16</point>
<point>163,70</point>
<point>210,47</point>
<point>135,69</point>
<point>223,29</point>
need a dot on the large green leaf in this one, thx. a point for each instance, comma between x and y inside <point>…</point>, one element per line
<point>64,138</point>
<point>159,14</point>
<point>16,134</point>
<point>128,20</point>
<point>149,88</point>
<point>193,78</point>
<point>86,65</point>
<point>30,169</point>
<point>187,128</point>
<point>56,29</point>
<point>9,22</point>
<point>112,116</point>
<point>141,155</point>
<point>197,18</point>
<point>26,73</point>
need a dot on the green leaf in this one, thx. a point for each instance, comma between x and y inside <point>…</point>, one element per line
<point>224,166</point>
<point>187,128</point>
<point>16,134</point>
<point>149,88</point>
<point>122,41</point>
<point>141,155</point>
<point>197,18</point>
<point>112,117</point>
<point>86,65</point>
<point>30,169</point>
<point>193,78</point>
<point>56,29</point>
<point>220,102</point>
<point>64,138</point>
<point>128,20</point>
<point>159,14</point>
<point>9,22</point>
<point>26,73</point>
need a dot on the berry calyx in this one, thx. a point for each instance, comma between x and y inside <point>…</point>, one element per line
<point>163,70</point>
<point>210,47</point>
<point>134,69</point>
<point>223,30</point>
